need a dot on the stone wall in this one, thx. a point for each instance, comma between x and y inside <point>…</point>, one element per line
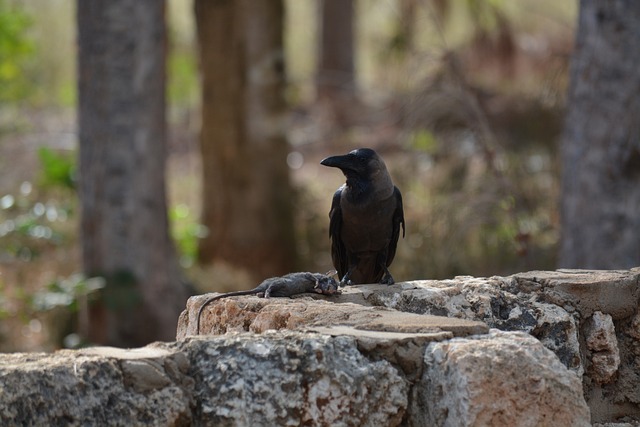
<point>533,349</point>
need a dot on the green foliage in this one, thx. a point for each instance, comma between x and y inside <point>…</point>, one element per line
<point>4,312</point>
<point>67,292</point>
<point>15,50</point>
<point>121,292</point>
<point>67,93</point>
<point>424,140</point>
<point>183,84</point>
<point>57,169</point>
<point>28,225</point>
<point>486,15</point>
<point>31,220</point>
<point>186,232</point>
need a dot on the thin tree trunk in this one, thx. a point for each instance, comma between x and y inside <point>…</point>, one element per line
<point>335,77</point>
<point>601,143</point>
<point>121,120</point>
<point>247,199</point>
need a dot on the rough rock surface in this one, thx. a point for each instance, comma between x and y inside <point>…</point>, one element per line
<point>104,386</point>
<point>499,302</point>
<point>344,377</point>
<point>375,355</point>
<point>600,337</point>
<point>240,379</point>
<point>614,292</point>
<point>552,306</point>
<point>258,315</point>
<point>470,382</point>
<point>293,379</point>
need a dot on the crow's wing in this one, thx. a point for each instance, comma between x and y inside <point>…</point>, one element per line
<point>398,220</point>
<point>338,251</point>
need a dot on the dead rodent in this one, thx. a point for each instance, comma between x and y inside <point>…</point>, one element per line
<point>284,286</point>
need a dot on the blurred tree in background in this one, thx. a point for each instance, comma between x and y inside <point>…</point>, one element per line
<point>336,64</point>
<point>601,144</point>
<point>465,100</point>
<point>122,139</point>
<point>247,197</point>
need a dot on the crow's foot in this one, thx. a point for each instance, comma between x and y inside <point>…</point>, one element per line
<point>345,282</point>
<point>387,279</point>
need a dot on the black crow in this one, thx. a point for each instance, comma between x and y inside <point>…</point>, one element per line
<point>365,219</point>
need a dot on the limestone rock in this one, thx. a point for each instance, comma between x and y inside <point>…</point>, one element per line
<point>375,355</point>
<point>497,301</point>
<point>552,306</point>
<point>614,292</point>
<point>499,379</point>
<point>403,350</point>
<point>239,379</point>
<point>285,378</point>
<point>600,338</point>
<point>343,377</point>
<point>258,315</point>
<point>634,328</point>
<point>96,387</point>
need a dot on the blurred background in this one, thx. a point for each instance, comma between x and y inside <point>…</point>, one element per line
<point>464,100</point>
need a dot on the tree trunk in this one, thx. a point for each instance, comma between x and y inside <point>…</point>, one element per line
<point>335,76</point>
<point>247,199</point>
<point>121,120</point>
<point>601,142</point>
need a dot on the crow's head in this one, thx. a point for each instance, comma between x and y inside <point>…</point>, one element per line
<point>362,164</point>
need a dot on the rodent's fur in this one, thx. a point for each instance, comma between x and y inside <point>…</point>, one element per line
<point>284,286</point>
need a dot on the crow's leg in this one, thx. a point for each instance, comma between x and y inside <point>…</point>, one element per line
<point>353,261</point>
<point>387,279</point>
<point>346,280</point>
<point>381,260</point>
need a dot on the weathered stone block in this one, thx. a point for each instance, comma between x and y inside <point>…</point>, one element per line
<point>499,379</point>
<point>600,338</point>
<point>258,315</point>
<point>497,301</point>
<point>103,386</point>
<point>614,292</point>
<point>292,379</point>
<point>376,355</point>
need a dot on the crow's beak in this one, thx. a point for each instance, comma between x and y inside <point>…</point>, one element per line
<point>347,162</point>
<point>337,161</point>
